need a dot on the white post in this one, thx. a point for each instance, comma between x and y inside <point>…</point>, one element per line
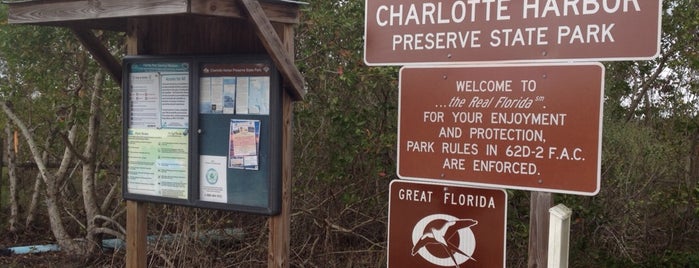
<point>559,236</point>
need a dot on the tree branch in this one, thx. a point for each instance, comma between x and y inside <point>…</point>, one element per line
<point>112,221</point>
<point>72,148</point>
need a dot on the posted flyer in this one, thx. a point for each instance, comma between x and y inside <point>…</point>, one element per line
<point>244,144</point>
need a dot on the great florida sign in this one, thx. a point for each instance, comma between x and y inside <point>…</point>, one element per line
<point>400,32</point>
<point>530,127</point>
<point>432,225</point>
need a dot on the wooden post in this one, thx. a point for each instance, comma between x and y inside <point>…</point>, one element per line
<point>538,229</point>
<point>279,226</point>
<point>136,212</point>
<point>559,236</point>
<point>136,232</point>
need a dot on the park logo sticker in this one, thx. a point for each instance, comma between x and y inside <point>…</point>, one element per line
<point>440,234</point>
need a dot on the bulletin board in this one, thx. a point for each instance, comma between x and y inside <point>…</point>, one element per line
<point>203,131</point>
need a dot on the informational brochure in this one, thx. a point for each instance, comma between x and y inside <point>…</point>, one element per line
<point>144,100</point>
<point>244,144</point>
<point>209,101</point>
<point>212,179</point>
<point>217,95</point>
<point>258,95</point>
<point>159,95</point>
<point>174,100</point>
<point>241,95</point>
<point>158,162</point>
<point>206,103</point>
<point>234,88</point>
<point>229,84</point>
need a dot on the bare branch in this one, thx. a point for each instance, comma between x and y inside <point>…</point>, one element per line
<point>109,197</point>
<point>105,230</point>
<point>112,221</point>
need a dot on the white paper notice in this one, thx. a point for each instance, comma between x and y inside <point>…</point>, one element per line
<point>241,95</point>
<point>216,95</point>
<point>212,179</point>
<point>174,100</point>
<point>258,95</point>
<point>205,104</point>
<point>159,95</point>
<point>229,95</point>
<point>145,100</point>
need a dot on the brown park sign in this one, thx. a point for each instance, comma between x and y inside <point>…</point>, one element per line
<point>399,32</point>
<point>529,127</point>
<point>432,225</point>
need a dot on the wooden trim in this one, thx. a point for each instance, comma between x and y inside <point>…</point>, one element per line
<point>275,11</point>
<point>99,52</point>
<point>265,31</point>
<point>112,14</point>
<point>55,11</point>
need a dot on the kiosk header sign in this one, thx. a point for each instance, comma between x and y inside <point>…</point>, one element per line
<point>530,127</point>
<point>400,32</point>
<point>433,225</point>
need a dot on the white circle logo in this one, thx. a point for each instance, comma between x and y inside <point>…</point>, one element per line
<point>444,240</point>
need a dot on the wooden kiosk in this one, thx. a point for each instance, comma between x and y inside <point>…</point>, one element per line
<point>188,27</point>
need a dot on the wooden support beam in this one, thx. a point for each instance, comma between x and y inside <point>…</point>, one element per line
<point>277,11</point>
<point>136,211</point>
<point>540,204</point>
<point>99,52</point>
<point>136,232</point>
<point>265,31</point>
<point>280,225</point>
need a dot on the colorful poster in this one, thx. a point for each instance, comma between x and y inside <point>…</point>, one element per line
<point>244,144</point>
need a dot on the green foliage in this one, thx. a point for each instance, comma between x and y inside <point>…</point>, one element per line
<point>345,134</point>
<point>628,221</point>
<point>646,214</point>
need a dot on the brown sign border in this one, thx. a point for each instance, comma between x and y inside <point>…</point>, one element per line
<point>408,169</point>
<point>636,35</point>
<point>407,210</point>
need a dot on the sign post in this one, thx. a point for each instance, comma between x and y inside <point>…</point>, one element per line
<point>432,225</point>
<point>529,127</point>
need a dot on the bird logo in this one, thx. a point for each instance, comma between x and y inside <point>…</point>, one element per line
<point>444,240</point>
